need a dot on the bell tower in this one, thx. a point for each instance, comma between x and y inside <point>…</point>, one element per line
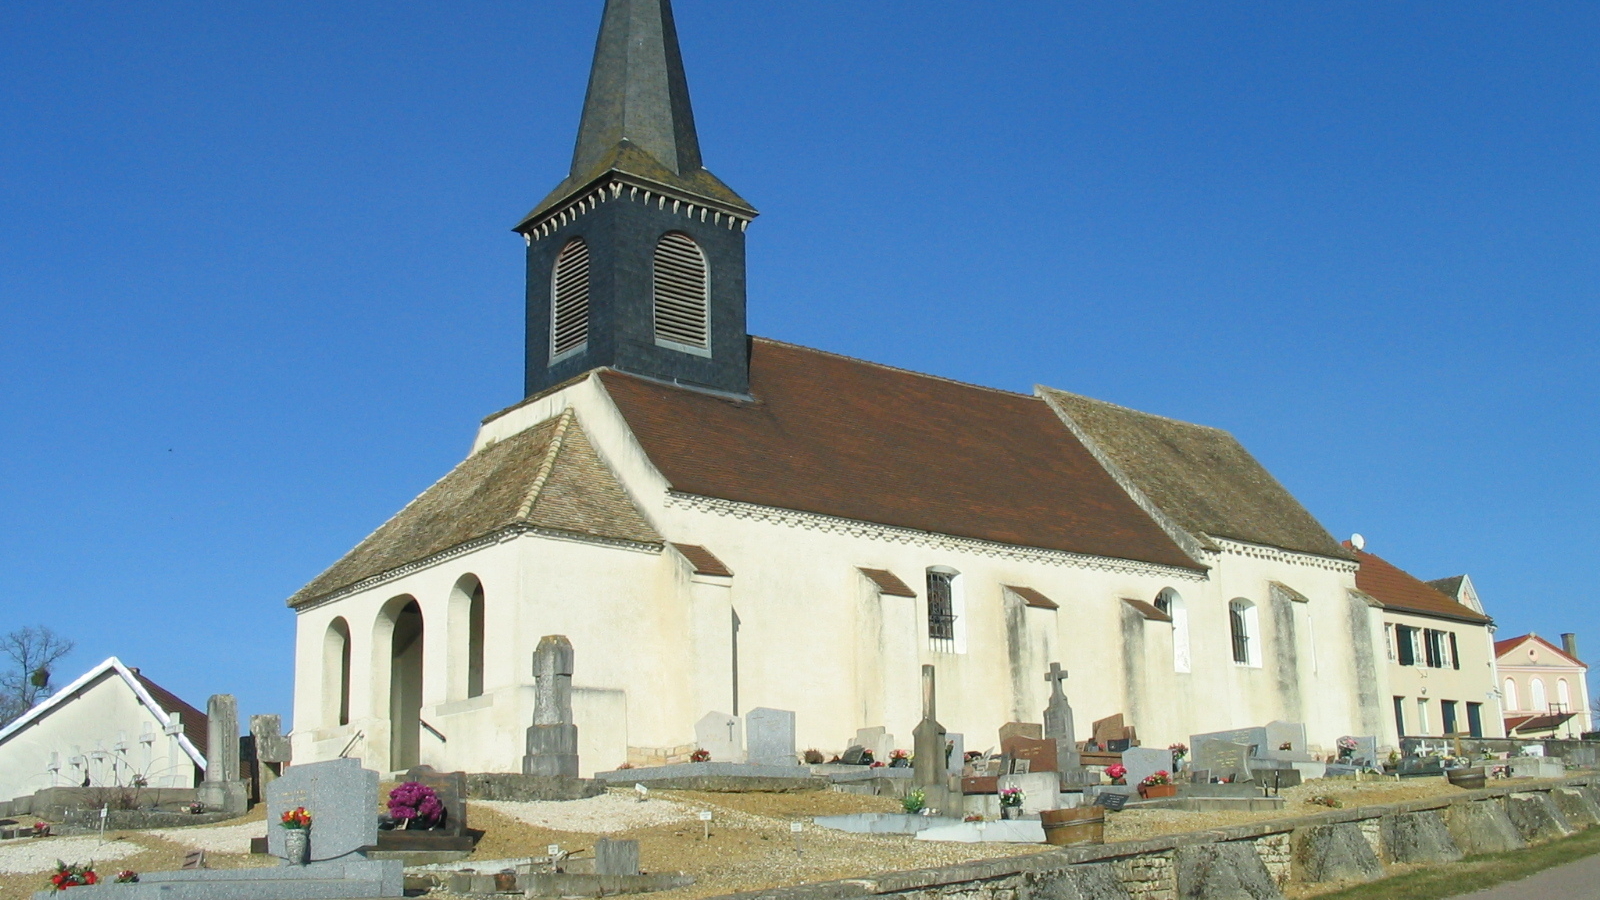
<point>637,260</point>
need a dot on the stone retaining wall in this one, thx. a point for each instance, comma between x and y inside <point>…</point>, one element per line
<point>1254,861</point>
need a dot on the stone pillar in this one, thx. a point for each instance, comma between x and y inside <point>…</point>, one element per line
<point>272,748</point>
<point>222,791</point>
<point>553,739</point>
<point>929,771</point>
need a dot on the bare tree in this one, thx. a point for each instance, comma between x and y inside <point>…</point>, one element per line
<point>26,679</point>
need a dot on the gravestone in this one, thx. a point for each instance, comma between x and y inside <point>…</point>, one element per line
<point>877,741</point>
<point>769,735</point>
<point>1142,762</point>
<point>1285,740</point>
<point>1032,755</point>
<point>1058,721</point>
<point>929,771</point>
<point>1224,759</point>
<point>1021,729</point>
<point>1366,752</point>
<point>616,857</point>
<point>270,747</point>
<point>1113,734</point>
<point>855,756</point>
<point>721,735</point>
<point>956,753</point>
<point>1040,790</point>
<point>451,788</point>
<point>1254,738</point>
<point>223,790</point>
<point>553,738</point>
<point>342,798</point>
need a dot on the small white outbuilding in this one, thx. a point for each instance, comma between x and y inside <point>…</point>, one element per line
<point>112,726</point>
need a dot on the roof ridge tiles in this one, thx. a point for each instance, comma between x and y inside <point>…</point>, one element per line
<point>540,477</point>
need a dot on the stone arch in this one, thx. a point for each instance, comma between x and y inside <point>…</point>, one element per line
<point>467,637</point>
<point>336,673</point>
<point>398,646</point>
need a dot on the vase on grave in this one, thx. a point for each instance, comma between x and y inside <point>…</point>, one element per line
<point>1008,813</point>
<point>1155,791</point>
<point>296,845</point>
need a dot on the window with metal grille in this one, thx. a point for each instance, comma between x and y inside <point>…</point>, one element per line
<point>682,281</point>
<point>941,605</point>
<point>569,301</point>
<point>1241,635</point>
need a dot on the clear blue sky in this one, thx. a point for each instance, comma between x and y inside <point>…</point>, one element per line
<point>258,281</point>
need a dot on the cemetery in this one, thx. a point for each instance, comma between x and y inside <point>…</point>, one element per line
<point>752,811</point>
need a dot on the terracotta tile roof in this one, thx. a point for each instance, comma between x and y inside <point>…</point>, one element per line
<point>840,437</point>
<point>888,583</point>
<point>1148,610</point>
<point>1501,648</point>
<point>704,561</point>
<point>1403,592</point>
<point>547,476</point>
<point>195,723</point>
<point>1201,477</point>
<point>1530,724</point>
<point>1032,597</point>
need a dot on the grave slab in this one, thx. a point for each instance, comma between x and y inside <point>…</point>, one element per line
<point>1016,831</point>
<point>883,823</point>
<point>1040,791</point>
<point>718,778</point>
<point>1142,762</point>
<point>344,879</point>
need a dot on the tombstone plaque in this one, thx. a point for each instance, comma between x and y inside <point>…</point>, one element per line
<point>1040,756</point>
<point>1366,752</point>
<point>1254,738</point>
<point>1224,759</point>
<point>451,788</point>
<point>1142,762</point>
<point>770,737</point>
<point>722,736</point>
<point>1021,729</point>
<point>878,741</point>
<point>1285,740</point>
<point>342,798</point>
<point>855,756</point>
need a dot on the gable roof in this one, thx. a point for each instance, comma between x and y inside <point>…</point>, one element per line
<point>840,437</point>
<point>546,477</point>
<point>1400,591</point>
<point>1501,648</point>
<point>160,701</point>
<point>1200,477</point>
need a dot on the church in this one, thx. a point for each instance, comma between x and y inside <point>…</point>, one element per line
<point>720,522</point>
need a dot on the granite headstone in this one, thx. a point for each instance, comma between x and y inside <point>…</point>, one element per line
<point>1142,762</point>
<point>342,798</point>
<point>769,736</point>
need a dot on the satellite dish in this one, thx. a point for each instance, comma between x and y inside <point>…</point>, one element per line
<point>1358,542</point>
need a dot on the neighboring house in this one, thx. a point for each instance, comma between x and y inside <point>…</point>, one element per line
<point>720,522</point>
<point>1439,649</point>
<point>1546,687</point>
<point>109,727</point>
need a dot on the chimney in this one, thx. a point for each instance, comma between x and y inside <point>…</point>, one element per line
<point>1569,643</point>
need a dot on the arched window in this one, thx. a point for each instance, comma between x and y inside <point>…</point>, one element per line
<point>475,644</point>
<point>467,637</point>
<point>1511,695</point>
<point>1169,602</point>
<point>1537,697</point>
<point>1244,628</point>
<point>682,284</point>
<point>1564,695</point>
<point>336,672</point>
<point>569,301</point>
<point>945,606</point>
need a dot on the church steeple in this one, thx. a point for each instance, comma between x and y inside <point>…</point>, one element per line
<point>636,260</point>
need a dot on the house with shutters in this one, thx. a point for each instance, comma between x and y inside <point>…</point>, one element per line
<point>720,522</point>
<point>1440,653</point>
<point>1546,688</point>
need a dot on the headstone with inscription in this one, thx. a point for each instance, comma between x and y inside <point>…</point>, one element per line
<point>1254,738</point>
<point>1365,754</point>
<point>877,741</point>
<point>1224,759</point>
<point>1021,729</point>
<point>342,798</point>
<point>1024,755</point>
<point>1142,762</point>
<point>722,736</point>
<point>1285,740</point>
<point>770,737</point>
<point>451,789</point>
<point>552,748</point>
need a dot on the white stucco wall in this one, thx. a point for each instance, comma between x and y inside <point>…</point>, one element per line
<point>652,652</point>
<point>1473,682</point>
<point>94,730</point>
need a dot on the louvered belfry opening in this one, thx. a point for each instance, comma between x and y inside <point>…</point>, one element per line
<point>682,282</point>
<point>569,325</point>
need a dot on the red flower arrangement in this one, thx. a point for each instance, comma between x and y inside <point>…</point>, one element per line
<point>41,829</point>
<point>1116,771</point>
<point>127,876</point>
<point>1162,776</point>
<point>73,876</point>
<point>297,818</point>
<point>701,755</point>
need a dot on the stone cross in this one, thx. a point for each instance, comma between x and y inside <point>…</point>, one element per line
<point>1058,726</point>
<point>271,745</point>
<point>174,726</point>
<point>553,739</point>
<point>928,765</point>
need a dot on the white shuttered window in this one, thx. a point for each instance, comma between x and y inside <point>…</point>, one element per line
<point>682,282</point>
<point>569,301</point>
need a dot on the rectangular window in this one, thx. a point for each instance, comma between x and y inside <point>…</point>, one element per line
<point>1475,719</point>
<point>1405,635</point>
<point>1447,715</point>
<point>1433,648</point>
<point>1400,716</point>
<point>1388,639</point>
<point>1241,636</point>
<point>1422,716</point>
<point>1455,652</point>
<point>941,607</point>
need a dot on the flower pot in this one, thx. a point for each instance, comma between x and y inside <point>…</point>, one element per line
<point>899,763</point>
<point>1471,779</point>
<point>296,845</point>
<point>1153,791</point>
<point>1010,812</point>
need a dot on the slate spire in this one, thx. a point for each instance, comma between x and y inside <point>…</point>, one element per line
<point>637,117</point>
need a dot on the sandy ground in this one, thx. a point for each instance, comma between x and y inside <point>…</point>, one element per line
<point>750,844</point>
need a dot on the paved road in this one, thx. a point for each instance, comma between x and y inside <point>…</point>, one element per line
<point>1573,881</point>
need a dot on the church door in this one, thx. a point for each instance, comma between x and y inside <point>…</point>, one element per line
<point>405,689</point>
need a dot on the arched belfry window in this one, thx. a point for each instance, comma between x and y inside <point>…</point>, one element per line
<point>682,283</point>
<point>569,301</point>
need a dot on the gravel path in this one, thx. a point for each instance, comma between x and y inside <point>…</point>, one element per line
<point>605,814</point>
<point>222,839</point>
<point>30,857</point>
